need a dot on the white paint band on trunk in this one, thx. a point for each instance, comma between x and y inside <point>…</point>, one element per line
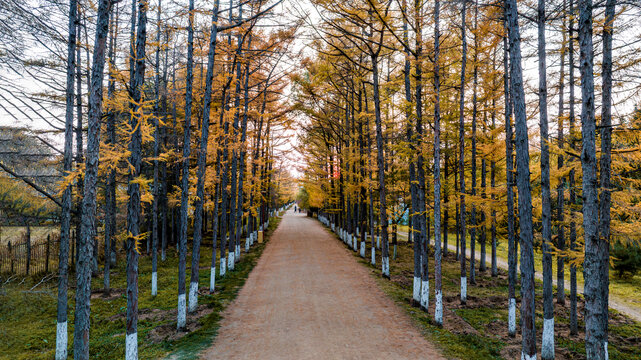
<point>378,242</point>
<point>438,308</point>
<point>61,341</point>
<point>373,256</point>
<point>386,266</point>
<point>238,252</point>
<point>525,356</point>
<point>154,283</point>
<point>182,311</point>
<point>425,294</point>
<point>547,342</point>
<point>247,241</point>
<point>230,260</point>
<point>362,249</point>
<point>212,278</point>
<point>131,346</point>
<point>193,296</point>
<point>511,318</point>
<point>416,289</point>
<point>463,288</point>
<point>605,349</point>
<point>223,266</point>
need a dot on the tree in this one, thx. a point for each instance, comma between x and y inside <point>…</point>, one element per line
<point>528,330</point>
<point>65,218</point>
<point>85,249</point>
<point>547,347</point>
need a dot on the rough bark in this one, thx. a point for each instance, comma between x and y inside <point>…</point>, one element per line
<point>528,330</point>
<point>88,227</point>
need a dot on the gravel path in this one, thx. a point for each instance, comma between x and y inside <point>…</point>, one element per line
<point>308,298</point>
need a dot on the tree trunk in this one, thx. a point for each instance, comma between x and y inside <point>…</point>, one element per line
<point>202,160</point>
<point>85,250</point>
<point>133,189</point>
<point>181,320</point>
<point>574,328</point>
<point>547,344</point>
<point>438,307</point>
<point>461,160</point>
<point>509,172</point>
<point>65,215</point>
<point>528,330</point>
<point>596,249</point>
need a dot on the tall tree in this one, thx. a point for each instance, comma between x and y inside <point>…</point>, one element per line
<point>133,188</point>
<point>596,248</point>
<point>547,347</point>
<point>88,229</point>
<point>184,199</point>
<point>528,330</point>
<point>202,159</point>
<point>461,157</point>
<point>438,309</point>
<point>65,216</point>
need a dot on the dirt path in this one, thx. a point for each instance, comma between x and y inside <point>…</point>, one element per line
<point>308,298</point>
<point>613,301</point>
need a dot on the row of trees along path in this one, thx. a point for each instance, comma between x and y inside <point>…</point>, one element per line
<point>197,89</point>
<point>396,122</point>
<point>405,110</point>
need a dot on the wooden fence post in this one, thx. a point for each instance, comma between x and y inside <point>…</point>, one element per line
<point>10,255</point>
<point>28,248</point>
<point>47,253</point>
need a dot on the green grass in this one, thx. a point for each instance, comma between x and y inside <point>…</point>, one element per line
<point>28,319</point>
<point>478,330</point>
<point>624,290</point>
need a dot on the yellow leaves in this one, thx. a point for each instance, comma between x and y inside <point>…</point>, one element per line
<point>137,240</point>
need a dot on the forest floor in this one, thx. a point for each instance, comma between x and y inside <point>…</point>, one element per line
<point>28,314</point>
<point>478,330</point>
<point>624,293</point>
<point>308,299</point>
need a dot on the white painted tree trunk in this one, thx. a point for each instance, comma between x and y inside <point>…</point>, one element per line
<point>193,296</point>
<point>374,256</point>
<point>438,308</point>
<point>182,311</point>
<point>61,341</point>
<point>386,266</point>
<point>212,279</point>
<point>416,289</point>
<point>154,283</point>
<point>425,295</point>
<point>131,346</point>
<point>247,242</point>
<point>363,249</point>
<point>223,266</point>
<point>463,288</point>
<point>547,342</point>
<point>511,317</point>
<point>230,260</point>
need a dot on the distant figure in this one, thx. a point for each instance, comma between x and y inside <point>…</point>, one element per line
<point>295,210</point>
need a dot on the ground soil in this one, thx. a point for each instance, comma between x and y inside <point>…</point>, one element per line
<point>309,298</point>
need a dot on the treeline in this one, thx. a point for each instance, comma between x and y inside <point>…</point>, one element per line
<point>425,108</point>
<point>173,120</point>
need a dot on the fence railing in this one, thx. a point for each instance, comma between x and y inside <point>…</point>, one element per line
<point>27,258</point>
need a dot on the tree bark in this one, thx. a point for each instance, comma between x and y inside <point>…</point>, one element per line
<point>85,250</point>
<point>528,330</point>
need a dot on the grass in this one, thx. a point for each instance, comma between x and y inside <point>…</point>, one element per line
<point>28,318</point>
<point>478,330</point>
<point>624,290</point>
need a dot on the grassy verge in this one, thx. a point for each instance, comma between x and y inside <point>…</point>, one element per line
<point>478,330</point>
<point>624,290</point>
<point>28,317</point>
